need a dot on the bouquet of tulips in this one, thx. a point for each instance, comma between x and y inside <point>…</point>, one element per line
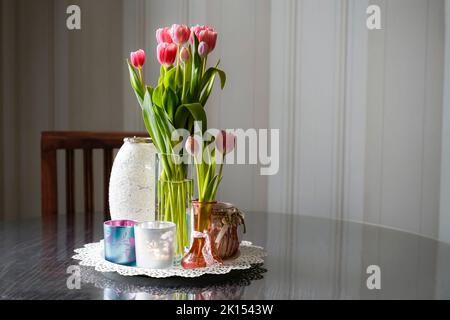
<point>184,84</point>
<point>177,101</point>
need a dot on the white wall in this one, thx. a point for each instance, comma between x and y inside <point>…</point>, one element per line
<point>26,98</point>
<point>404,130</point>
<point>360,111</point>
<point>307,104</point>
<point>55,79</point>
<point>444,214</point>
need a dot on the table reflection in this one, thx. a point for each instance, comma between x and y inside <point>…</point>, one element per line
<point>207,287</point>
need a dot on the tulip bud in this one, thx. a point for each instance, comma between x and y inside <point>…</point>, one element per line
<point>137,58</point>
<point>225,142</point>
<point>191,146</point>
<point>180,33</point>
<point>203,49</point>
<point>184,54</point>
<point>166,53</point>
<point>163,35</point>
<point>209,36</point>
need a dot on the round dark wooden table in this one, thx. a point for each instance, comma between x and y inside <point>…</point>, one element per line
<point>308,258</point>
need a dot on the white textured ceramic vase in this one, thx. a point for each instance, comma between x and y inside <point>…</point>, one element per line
<point>132,181</point>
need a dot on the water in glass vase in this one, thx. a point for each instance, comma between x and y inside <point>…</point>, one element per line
<point>173,198</point>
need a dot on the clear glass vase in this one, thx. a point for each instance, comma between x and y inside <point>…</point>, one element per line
<point>174,193</point>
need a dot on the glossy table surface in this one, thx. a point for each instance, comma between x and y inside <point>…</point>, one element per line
<point>308,258</point>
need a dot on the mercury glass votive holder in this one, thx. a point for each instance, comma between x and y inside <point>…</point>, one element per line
<point>155,244</point>
<point>119,241</point>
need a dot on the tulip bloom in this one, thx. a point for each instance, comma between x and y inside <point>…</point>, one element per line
<point>163,35</point>
<point>184,54</point>
<point>166,53</point>
<point>192,146</point>
<point>203,49</point>
<point>197,29</point>
<point>225,142</point>
<point>137,58</point>
<point>180,33</point>
<point>210,37</point>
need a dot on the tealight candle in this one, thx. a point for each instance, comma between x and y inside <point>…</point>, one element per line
<point>119,241</point>
<point>155,244</point>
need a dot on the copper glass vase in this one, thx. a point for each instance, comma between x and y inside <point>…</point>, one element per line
<point>199,256</point>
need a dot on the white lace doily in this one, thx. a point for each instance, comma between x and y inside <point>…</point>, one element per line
<point>92,255</point>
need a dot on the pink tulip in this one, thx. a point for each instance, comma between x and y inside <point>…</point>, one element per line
<point>180,33</point>
<point>137,58</point>
<point>184,54</point>
<point>210,37</point>
<point>197,29</point>
<point>192,146</point>
<point>166,53</point>
<point>163,35</point>
<point>203,49</point>
<point>225,142</point>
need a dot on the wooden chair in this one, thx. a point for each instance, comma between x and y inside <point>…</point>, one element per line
<point>69,141</point>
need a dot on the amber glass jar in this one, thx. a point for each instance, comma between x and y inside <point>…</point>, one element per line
<point>225,220</point>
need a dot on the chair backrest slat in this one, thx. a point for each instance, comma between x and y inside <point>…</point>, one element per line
<point>88,188</point>
<point>70,186</point>
<point>49,184</point>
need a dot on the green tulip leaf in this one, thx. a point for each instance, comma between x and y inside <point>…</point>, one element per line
<point>192,110</point>
<point>139,89</point>
<point>210,74</point>
<point>187,72</point>
<point>162,72</point>
<point>170,102</point>
<point>169,79</point>
<point>150,90</point>
<point>147,113</point>
<point>196,70</point>
<point>180,78</point>
<point>157,96</point>
<point>208,82</point>
<point>158,124</point>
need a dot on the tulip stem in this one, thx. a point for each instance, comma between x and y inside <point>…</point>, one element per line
<point>219,178</point>
<point>183,91</point>
<point>204,66</point>
<point>178,65</point>
<point>140,75</point>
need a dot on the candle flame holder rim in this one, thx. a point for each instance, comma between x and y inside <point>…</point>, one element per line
<point>120,223</point>
<point>166,225</point>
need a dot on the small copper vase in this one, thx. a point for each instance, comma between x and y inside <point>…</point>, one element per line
<point>201,223</point>
<point>225,220</point>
